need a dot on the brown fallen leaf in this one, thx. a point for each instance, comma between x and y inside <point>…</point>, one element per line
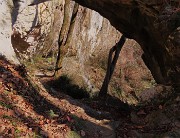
<point>139,127</point>
<point>68,118</point>
<point>141,112</point>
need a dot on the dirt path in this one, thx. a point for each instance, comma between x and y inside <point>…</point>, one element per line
<point>93,124</point>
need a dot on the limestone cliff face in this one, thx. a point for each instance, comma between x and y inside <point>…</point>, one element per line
<point>31,24</point>
<point>6,48</point>
<point>9,10</point>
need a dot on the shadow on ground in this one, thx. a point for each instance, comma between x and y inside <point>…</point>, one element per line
<point>14,81</point>
<point>99,108</point>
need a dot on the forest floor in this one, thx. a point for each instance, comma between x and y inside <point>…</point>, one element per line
<point>32,105</point>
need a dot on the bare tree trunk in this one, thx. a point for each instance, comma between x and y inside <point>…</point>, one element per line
<point>65,35</point>
<point>111,65</point>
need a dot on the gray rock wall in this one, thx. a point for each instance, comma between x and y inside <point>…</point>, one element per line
<point>32,24</point>
<point>6,48</point>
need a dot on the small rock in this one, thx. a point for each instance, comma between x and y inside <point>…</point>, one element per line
<point>82,133</point>
<point>39,74</point>
<point>99,112</point>
<point>177,99</point>
<point>160,107</point>
<point>141,112</point>
<point>177,124</point>
<point>49,73</point>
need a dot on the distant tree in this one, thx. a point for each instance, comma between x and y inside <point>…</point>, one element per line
<point>112,60</point>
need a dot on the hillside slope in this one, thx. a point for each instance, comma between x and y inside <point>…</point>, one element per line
<point>28,109</point>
